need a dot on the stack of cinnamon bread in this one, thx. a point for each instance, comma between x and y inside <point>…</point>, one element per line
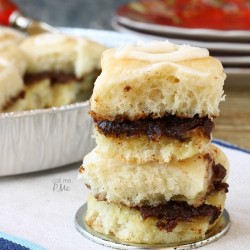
<point>154,175</point>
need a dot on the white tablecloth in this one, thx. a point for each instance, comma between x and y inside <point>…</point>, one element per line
<point>32,210</point>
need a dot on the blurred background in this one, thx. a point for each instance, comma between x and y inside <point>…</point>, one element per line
<point>73,13</point>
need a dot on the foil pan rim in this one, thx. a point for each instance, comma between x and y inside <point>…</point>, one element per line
<point>34,112</point>
<point>43,139</point>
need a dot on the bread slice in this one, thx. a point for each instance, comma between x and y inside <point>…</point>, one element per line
<point>127,225</point>
<point>133,88</point>
<point>61,53</point>
<point>69,64</point>
<point>141,149</point>
<point>151,183</point>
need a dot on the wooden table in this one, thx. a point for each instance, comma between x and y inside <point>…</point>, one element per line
<point>233,124</point>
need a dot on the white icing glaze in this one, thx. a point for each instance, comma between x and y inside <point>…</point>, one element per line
<point>161,52</point>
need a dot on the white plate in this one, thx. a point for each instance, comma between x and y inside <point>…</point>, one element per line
<point>213,46</point>
<point>206,34</point>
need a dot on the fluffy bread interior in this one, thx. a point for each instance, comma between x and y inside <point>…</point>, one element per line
<point>141,149</point>
<point>43,93</point>
<point>136,89</point>
<point>153,182</point>
<point>61,53</point>
<point>37,95</point>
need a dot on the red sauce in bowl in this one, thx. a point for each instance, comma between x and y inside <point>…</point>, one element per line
<point>204,14</point>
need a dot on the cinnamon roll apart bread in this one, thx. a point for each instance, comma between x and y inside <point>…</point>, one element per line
<point>154,175</point>
<point>61,69</point>
<point>55,69</point>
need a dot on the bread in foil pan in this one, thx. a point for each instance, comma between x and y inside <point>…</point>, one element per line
<point>37,74</point>
<point>42,139</point>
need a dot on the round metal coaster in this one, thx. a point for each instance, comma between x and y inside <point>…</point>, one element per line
<point>214,234</point>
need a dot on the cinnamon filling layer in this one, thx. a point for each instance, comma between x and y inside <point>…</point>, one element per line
<point>170,126</point>
<point>168,215</point>
<point>219,173</point>
<point>21,95</point>
<point>55,77</point>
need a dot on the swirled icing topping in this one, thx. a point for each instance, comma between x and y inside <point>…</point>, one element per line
<point>161,52</point>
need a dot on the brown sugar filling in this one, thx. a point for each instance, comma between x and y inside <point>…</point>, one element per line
<point>55,77</point>
<point>170,126</point>
<point>21,95</point>
<point>168,215</point>
<point>219,172</point>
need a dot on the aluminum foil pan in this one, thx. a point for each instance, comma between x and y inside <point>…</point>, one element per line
<point>42,139</point>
